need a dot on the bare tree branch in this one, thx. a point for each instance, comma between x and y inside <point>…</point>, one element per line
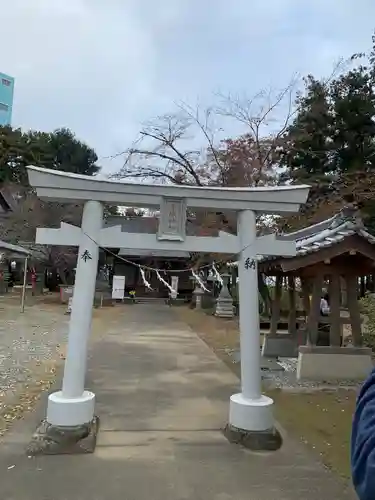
<point>258,111</point>
<point>265,119</point>
<point>205,128</point>
<point>29,213</point>
<point>159,153</point>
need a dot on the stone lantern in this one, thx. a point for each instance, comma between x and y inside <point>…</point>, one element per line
<point>224,303</point>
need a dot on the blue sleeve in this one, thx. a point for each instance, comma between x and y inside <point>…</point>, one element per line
<point>363,442</point>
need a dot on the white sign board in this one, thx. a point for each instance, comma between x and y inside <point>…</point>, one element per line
<point>118,287</point>
<point>174,285</point>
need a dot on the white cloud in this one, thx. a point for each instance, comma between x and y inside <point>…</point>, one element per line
<point>101,68</point>
<point>77,66</point>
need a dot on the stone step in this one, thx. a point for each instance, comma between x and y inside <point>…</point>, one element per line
<point>150,300</point>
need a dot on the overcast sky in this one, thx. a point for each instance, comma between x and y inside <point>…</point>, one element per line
<point>102,67</point>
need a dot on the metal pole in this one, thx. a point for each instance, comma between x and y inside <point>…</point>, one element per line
<point>24,286</point>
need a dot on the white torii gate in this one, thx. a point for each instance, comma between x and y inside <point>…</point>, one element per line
<point>250,411</point>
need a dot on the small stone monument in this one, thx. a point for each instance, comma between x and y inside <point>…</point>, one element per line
<point>224,303</point>
<point>198,294</point>
<point>103,294</point>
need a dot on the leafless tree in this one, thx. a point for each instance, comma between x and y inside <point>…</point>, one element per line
<point>189,146</point>
<point>265,118</point>
<point>164,150</point>
<point>20,225</point>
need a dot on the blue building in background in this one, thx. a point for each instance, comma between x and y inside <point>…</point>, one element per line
<point>6,99</point>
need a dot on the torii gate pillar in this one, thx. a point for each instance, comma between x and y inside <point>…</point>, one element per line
<point>73,405</point>
<point>70,412</point>
<point>250,413</point>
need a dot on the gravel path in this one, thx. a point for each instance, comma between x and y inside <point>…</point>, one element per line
<point>282,374</point>
<point>286,379</point>
<point>30,346</point>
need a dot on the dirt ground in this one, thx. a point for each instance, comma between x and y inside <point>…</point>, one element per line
<point>32,347</point>
<point>32,350</point>
<point>321,419</point>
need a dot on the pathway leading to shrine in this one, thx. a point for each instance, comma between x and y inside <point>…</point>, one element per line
<point>162,396</point>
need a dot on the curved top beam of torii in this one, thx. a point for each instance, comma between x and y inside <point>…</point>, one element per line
<point>67,187</point>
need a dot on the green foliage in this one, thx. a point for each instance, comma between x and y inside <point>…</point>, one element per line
<point>334,129</point>
<point>13,155</point>
<point>353,107</point>
<point>236,302</point>
<point>58,150</point>
<point>331,142</point>
<point>110,210</point>
<point>63,151</point>
<point>307,152</point>
<point>367,304</point>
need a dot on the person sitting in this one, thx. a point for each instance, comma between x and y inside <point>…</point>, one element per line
<point>323,326</point>
<point>324,306</point>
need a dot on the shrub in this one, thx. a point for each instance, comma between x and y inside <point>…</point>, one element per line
<point>367,305</point>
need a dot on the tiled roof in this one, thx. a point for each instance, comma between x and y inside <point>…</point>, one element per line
<point>329,232</point>
<point>325,234</point>
<point>8,197</point>
<point>14,249</point>
<point>5,205</point>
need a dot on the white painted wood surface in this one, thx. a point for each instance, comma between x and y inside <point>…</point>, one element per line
<point>63,186</point>
<point>249,410</point>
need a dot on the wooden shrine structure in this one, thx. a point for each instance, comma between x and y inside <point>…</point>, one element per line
<point>121,259</point>
<point>9,252</point>
<point>330,258</point>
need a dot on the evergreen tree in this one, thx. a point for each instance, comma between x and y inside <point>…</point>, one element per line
<point>331,142</point>
<point>58,150</point>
